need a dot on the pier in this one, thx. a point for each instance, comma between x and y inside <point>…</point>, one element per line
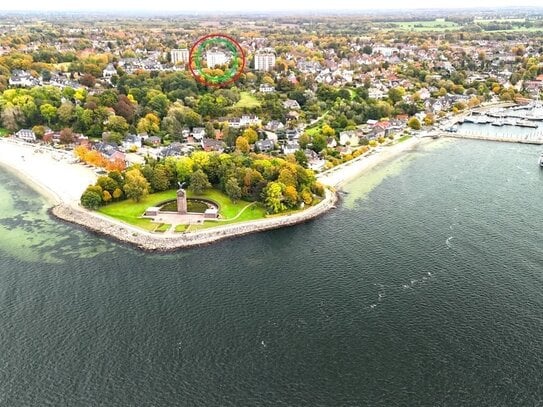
<point>509,138</point>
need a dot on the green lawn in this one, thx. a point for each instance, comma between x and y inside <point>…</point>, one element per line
<point>247,101</point>
<point>181,228</point>
<point>254,212</point>
<point>403,138</point>
<point>163,227</point>
<point>3,132</point>
<point>426,25</point>
<point>130,212</point>
<point>499,20</point>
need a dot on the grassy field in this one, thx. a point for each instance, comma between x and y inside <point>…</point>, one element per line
<point>181,228</point>
<point>499,20</point>
<point>403,138</point>
<point>426,25</point>
<point>163,227</point>
<point>3,132</point>
<point>515,29</point>
<point>247,101</point>
<point>253,212</point>
<point>130,212</point>
<point>316,127</point>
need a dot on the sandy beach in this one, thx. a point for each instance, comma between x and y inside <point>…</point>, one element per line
<point>49,172</point>
<point>340,175</point>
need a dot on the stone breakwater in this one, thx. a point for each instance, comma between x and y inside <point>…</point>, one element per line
<point>154,242</point>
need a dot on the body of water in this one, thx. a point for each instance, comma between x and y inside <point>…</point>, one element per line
<point>424,288</point>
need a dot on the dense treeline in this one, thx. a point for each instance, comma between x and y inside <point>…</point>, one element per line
<point>277,183</point>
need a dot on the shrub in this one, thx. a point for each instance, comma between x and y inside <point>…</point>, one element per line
<point>91,199</point>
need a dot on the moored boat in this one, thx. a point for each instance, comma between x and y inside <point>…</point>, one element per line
<point>527,123</point>
<point>498,123</point>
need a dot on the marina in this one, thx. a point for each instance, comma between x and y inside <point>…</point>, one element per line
<point>517,124</point>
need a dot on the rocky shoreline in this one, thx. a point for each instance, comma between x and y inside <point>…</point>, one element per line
<point>154,242</point>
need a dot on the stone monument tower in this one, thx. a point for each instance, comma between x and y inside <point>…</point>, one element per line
<point>181,200</point>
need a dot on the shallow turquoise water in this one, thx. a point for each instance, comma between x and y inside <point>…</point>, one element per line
<point>425,287</point>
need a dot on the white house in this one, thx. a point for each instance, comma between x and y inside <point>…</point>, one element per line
<point>23,78</point>
<point>26,135</point>
<point>290,147</point>
<point>266,88</point>
<point>249,120</point>
<point>349,137</point>
<point>131,141</point>
<point>291,104</point>
<point>198,133</point>
<point>109,71</point>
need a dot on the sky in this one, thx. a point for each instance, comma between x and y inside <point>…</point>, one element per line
<point>248,5</point>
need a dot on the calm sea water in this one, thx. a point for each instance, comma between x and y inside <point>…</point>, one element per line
<point>424,288</point>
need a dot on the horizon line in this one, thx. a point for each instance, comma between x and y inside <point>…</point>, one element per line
<point>150,11</point>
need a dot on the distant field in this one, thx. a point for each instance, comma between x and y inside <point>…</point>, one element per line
<point>507,25</point>
<point>426,25</point>
<point>500,20</point>
<point>247,101</point>
<point>517,29</point>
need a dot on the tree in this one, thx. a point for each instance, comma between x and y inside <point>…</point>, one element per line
<point>184,166</point>
<point>125,108</point>
<point>66,113</point>
<point>66,136</point>
<point>287,177</point>
<point>429,119</point>
<point>199,182</point>
<point>273,197</point>
<point>88,80</point>
<point>107,183</point>
<point>208,106</point>
<point>159,103</point>
<point>242,145</point>
<point>304,140</point>
<point>117,124</point>
<point>12,117</point>
<point>301,158</point>
<point>46,75</point>
<point>414,123</point>
<point>136,186</point>
<point>250,135</point>
<point>291,196</point>
<point>209,130</point>
<point>319,142</point>
<point>307,197</point>
<point>327,131</point>
<point>149,124</point>
<point>396,94</point>
<point>178,118</point>
<point>232,189</point>
<point>160,180</point>
<point>106,196</point>
<point>91,199</point>
<point>39,131</point>
<point>49,112</point>
<point>117,193</point>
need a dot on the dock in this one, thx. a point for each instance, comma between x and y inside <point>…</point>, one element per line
<point>509,138</point>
